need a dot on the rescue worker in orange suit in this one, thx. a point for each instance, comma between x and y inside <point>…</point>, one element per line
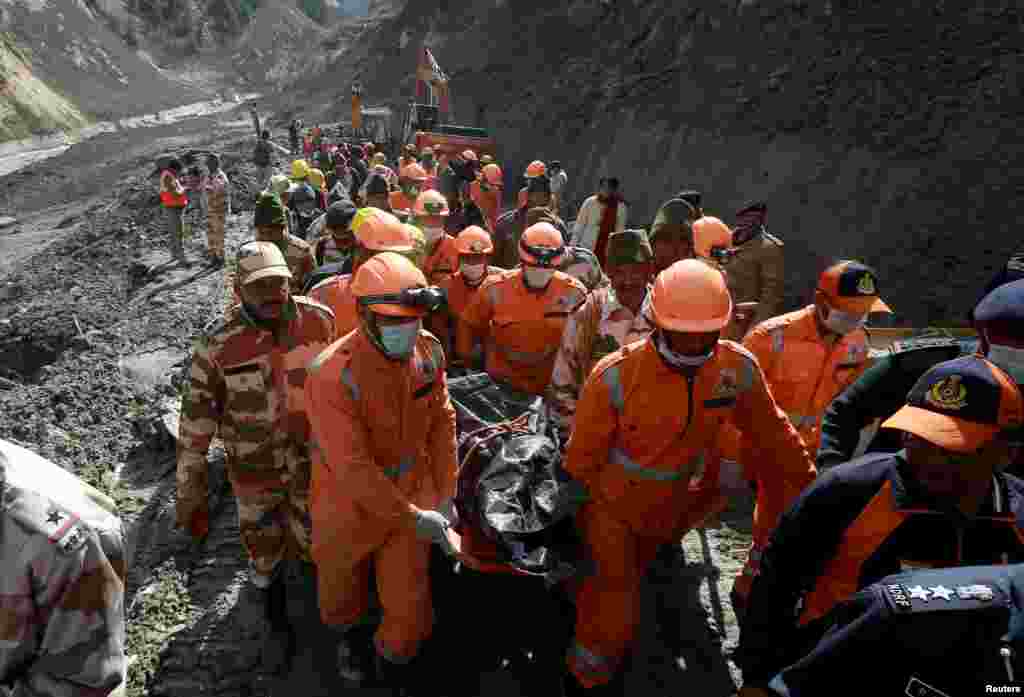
<point>523,312</point>
<point>943,501</point>
<point>475,248</point>
<point>384,426</point>
<point>428,214</point>
<point>671,236</point>
<point>534,170</point>
<point>713,242</point>
<point>412,181</point>
<point>375,231</point>
<point>486,193</point>
<point>644,445</point>
<point>810,356</point>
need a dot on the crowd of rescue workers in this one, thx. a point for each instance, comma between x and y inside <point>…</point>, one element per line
<point>676,381</point>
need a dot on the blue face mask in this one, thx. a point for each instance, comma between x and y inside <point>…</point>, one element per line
<point>399,339</point>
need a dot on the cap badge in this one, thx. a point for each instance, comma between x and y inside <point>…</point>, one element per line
<point>866,285</point>
<point>949,393</point>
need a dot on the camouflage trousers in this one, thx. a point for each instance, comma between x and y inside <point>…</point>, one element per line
<point>175,221</point>
<point>274,522</point>
<point>215,230</point>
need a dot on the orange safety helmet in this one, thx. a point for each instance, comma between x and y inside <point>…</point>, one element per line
<point>389,284</point>
<point>379,231</point>
<point>691,296</point>
<point>708,234</point>
<point>492,175</point>
<point>474,240</point>
<point>542,245</point>
<point>430,204</point>
<point>536,169</point>
<point>414,172</point>
<point>469,156</point>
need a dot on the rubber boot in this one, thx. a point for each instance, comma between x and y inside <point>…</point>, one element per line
<point>400,678</point>
<point>357,657</point>
<point>279,642</point>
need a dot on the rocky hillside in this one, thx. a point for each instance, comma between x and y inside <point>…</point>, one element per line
<point>70,48</point>
<point>885,131</point>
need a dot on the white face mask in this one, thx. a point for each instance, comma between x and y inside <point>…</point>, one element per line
<point>1009,359</point>
<point>537,277</point>
<point>433,234</point>
<point>679,360</point>
<point>473,272</point>
<point>843,323</point>
<point>399,339</point>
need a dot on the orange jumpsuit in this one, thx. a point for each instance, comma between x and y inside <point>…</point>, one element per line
<point>385,432</point>
<point>440,265</point>
<point>399,201</point>
<point>336,293</point>
<point>489,202</point>
<point>460,336</point>
<point>804,374</point>
<point>523,327</point>
<point>645,446</point>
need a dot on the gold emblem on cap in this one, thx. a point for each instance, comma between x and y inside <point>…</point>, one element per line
<point>866,285</point>
<point>949,393</point>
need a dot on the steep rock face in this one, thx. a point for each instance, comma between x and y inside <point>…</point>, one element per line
<point>70,48</point>
<point>883,131</point>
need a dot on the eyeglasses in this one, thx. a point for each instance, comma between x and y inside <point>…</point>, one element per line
<point>429,299</point>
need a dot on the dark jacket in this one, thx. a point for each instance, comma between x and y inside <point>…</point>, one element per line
<point>856,524</point>
<point>878,394</point>
<point>949,641</point>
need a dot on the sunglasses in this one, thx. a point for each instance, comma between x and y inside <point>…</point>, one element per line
<point>545,256</point>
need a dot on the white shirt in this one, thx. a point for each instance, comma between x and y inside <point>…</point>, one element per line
<point>588,222</point>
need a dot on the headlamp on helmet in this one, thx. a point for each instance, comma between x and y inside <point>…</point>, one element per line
<point>428,299</point>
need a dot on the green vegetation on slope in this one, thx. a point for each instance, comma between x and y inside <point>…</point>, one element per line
<point>29,106</point>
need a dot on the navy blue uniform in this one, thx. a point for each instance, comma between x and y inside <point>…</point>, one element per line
<point>856,524</point>
<point>923,633</point>
<point>879,393</point>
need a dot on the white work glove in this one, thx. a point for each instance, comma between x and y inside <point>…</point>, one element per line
<point>431,526</point>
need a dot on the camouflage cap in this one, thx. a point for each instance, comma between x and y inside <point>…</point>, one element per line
<point>673,217</point>
<point>258,260</point>
<point>628,247</point>
<point>269,210</point>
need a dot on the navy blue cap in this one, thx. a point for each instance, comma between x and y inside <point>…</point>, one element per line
<point>960,405</point>
<point>1004,303</point>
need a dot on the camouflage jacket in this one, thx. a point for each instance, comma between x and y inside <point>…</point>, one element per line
<point>583,265</point>
<point>600,326</point>
<point>247,382</point>
<point>62,631</point>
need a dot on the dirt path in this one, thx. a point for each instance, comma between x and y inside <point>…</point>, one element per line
<point>95,330</point>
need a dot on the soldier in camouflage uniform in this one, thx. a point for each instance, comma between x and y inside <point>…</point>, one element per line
<point>62,581</point>
<point>271,221</point>
<point>610,318</point>
<point>246,382</point>
<point>218,203</point>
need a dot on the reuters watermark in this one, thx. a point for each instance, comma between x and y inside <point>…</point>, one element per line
<point>1002,689</point>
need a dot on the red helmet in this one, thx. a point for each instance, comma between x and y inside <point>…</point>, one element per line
<point>536,169</point>
<point>474,240</point>
<point>431,204</point>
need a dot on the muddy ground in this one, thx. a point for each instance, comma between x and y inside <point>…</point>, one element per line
<point>95,330</point>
